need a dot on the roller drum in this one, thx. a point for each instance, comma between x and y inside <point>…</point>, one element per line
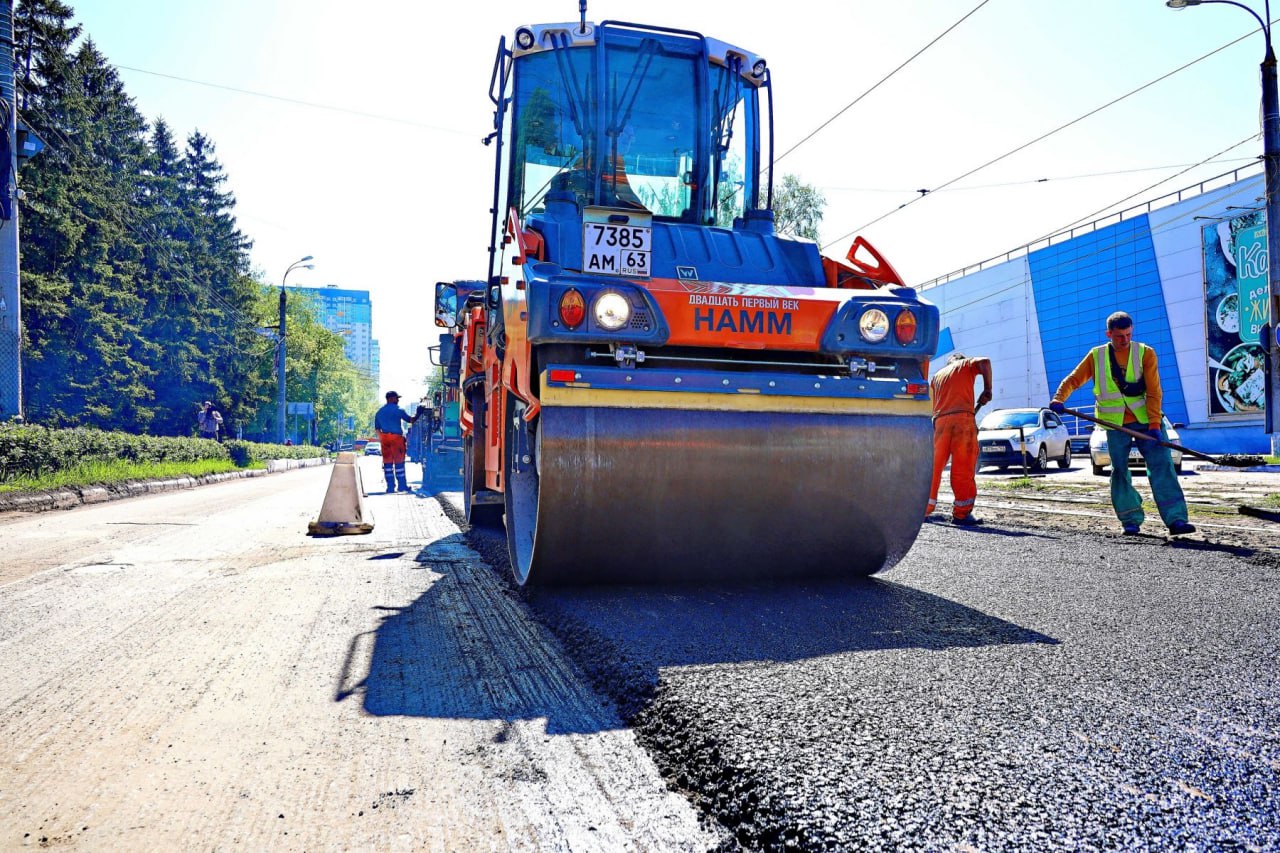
<point>627,495</point>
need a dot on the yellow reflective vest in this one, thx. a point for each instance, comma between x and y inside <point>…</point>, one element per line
<point>1110,402</point>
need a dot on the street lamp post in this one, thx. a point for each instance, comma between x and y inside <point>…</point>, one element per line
<point>1271,160</point>
<point>280,348</point>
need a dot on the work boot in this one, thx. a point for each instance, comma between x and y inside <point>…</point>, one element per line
<point>1181,528</point>
<point>1132,530</point>
<point>967,521</point>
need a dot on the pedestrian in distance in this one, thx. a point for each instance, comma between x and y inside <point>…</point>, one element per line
<point>210,422</point>
<point>388,422</point>
<point>1126,392</point>
<point>955,432</point>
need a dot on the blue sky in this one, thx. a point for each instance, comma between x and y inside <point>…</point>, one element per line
<point>394,204</point>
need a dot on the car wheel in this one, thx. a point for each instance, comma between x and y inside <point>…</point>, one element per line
<point>1099,470</point>
<point>1042,459</point>
<point>1065,462</point>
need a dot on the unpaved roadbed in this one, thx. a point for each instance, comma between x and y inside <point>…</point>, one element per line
<point>189,670</point>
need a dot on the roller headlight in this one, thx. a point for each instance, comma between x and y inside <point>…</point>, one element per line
<point>873,325</point>
<point>524,38</point>
<point>613,311</point>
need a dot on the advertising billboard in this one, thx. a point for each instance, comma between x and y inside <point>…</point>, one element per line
<point>1235,291</point>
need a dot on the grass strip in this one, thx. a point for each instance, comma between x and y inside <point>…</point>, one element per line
<point>1033,484</point>
<point>108,473</point>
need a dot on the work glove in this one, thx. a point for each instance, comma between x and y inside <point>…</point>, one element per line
<point>1057,408</point>
<point>1153,432</point>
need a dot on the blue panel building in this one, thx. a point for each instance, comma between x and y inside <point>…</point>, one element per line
<point>1180,266</point>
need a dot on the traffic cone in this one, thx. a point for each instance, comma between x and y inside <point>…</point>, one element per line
<point>343,510</point>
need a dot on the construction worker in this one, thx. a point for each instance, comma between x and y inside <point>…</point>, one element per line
<point>391,437</point>
<point>1126,390</point>
<point>955,432</point>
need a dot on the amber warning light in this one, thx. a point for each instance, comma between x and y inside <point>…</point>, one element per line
<point>904,328</point>
<point>573,309</point>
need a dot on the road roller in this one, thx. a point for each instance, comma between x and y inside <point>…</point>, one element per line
<point>656,384</point>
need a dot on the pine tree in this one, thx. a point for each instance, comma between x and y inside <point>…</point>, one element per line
<point>87,361</point>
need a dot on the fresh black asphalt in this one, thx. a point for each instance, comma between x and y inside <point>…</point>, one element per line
<point>1000,689</point>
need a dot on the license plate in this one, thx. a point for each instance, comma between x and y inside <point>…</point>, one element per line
<point>612,247</point>
<point>993,447</point>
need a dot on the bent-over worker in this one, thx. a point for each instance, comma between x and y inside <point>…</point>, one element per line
<point>955,432</point>
<point>1126,390</point>
<point>391,437</point>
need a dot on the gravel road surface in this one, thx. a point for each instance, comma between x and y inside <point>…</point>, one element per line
<point>189,670</point>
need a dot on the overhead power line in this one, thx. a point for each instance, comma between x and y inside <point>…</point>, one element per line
<point>1090,217</point>
<point>295,101</point>
<point>1021,276</point>
<point>1046,239</point>
<point>1045,180</point>
<point>1040,138</point>
<point>879,82</point>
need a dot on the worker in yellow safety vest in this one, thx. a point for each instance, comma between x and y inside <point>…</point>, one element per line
<point>1126,391</point>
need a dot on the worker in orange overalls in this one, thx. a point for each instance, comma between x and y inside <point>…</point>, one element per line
<point>387,422</point>
<point>955,432</point>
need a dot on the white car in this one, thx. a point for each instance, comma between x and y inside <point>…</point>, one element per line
<point>1102,461</point>
<point>1004,434</point>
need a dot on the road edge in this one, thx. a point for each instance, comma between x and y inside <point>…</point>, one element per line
<point>70,498</point>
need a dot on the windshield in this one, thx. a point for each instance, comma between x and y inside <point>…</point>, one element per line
<point>646,130</point>
<point>644,135</point>
<point>1010,420</point>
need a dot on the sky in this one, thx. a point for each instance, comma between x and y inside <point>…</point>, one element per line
<point>382,177</point>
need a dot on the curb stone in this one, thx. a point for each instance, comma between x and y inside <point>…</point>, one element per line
<point>72,498</point>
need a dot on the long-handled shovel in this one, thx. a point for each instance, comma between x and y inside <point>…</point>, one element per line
<point>1217,460</point>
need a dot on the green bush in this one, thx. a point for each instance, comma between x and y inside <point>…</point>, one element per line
<point>33,451</point>
<point>244,452</point>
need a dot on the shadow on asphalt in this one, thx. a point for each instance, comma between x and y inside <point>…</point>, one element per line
<point>990,530</point>
<point>775,622</point>
<point>464,649</point>
<point>437,656</point>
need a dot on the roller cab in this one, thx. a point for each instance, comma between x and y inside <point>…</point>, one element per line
<point>656,384</point>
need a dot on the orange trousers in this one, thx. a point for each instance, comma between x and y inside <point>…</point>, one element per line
<point>393,448</point>
<point>955,437</point>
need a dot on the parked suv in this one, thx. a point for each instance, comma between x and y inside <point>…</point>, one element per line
<point>1102,461</point>
<point>1001,442</point>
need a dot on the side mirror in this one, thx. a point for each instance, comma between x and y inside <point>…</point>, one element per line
<point>446,304</point>
<point>493,297</point>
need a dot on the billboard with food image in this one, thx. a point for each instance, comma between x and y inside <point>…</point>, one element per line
<point>1235,289</point>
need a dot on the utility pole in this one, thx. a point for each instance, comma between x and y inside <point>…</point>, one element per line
<point>10,297</point>
<point>280,365</point>
<point>1271,158</point>
<point>301,262</point>
<point>1271,153</point>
